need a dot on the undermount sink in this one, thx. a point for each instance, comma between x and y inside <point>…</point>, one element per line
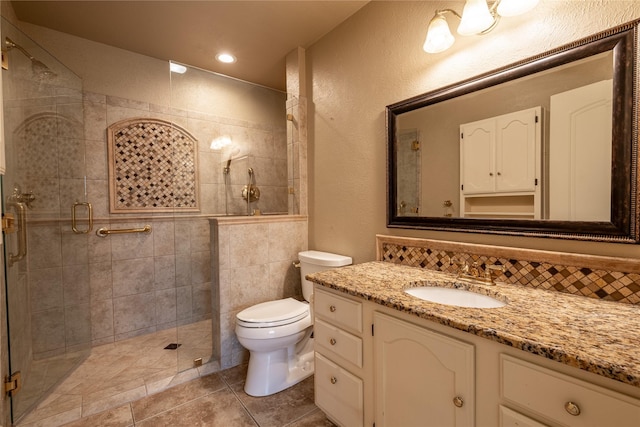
<point>452,296</point>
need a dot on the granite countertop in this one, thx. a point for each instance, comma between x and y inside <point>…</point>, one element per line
<point>593,335</point>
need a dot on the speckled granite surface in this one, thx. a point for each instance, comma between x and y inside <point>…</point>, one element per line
<point>597,336</point>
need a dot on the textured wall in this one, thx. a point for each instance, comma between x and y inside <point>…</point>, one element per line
<point>375,59</point>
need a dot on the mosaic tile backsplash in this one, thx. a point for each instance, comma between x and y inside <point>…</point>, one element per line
<point>596,283</point>
<point>152,165</point>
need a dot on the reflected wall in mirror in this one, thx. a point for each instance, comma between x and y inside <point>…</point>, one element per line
<point>545,147</point>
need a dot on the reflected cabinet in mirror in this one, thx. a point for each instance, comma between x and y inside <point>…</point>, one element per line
<point>546,147</point>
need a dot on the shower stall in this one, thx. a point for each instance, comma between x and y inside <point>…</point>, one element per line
<point>71,289</point>
<point>47,297</point>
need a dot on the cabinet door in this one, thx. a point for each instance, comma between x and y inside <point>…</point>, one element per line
<point>477,146</point>
<point>420,376</point>
<point>517,162</point>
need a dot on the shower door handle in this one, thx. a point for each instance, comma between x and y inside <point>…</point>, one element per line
<point>22,233</point>
<point>74,226</point>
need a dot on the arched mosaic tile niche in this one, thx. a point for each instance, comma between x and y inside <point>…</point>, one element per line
<point>50,161</point>
<point>152,167</point>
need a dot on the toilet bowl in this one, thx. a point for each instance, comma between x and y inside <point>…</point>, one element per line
<point>278,334</point>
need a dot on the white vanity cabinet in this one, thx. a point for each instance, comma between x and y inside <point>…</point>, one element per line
<point>500,166</point>
<point>339,387</point>
<point>422,377</point>
<point>376,365</point>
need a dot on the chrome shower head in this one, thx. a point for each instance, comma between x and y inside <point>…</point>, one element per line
<point>40,70</point>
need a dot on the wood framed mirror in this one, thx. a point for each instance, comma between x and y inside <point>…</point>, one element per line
<point>501,153</point>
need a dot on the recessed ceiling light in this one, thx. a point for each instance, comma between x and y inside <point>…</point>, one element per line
<point>227,58</point>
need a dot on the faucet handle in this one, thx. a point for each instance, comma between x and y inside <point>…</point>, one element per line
<point>464,266</point>
<point>488,271</point>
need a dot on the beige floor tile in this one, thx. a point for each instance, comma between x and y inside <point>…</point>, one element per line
<point>137,379</point>
<point>219,409</point>
<point>56,420</point>
<point>113,388</point>
<point>116,417</point>
<point>113,401</point>
<point>316,418</point>
<point>235,375</point>
<point>281,408</point>
<point>184,376</point>
<point>52,408</point>
<point>175,396</point>
<point>156,386</point>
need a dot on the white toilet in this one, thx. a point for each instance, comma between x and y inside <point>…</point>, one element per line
<point>278,334</point>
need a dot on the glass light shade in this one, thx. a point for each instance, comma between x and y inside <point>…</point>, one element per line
<point>515,7</point>
<point>476,18</point>
<point>439,37</point>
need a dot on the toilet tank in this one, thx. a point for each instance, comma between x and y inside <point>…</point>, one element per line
<point>315,261</point>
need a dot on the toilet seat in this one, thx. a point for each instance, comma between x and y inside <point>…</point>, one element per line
<point>273,313</point>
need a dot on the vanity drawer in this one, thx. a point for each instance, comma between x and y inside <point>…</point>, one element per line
<point>335,341</point>
<point>554,395</point>
<point>509,418</point>
<point>340,311</point>
<point>338,393</point>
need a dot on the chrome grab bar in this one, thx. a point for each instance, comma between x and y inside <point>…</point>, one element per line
<point>104,232</point>
<point>22,232</point>
<point>74,221</point>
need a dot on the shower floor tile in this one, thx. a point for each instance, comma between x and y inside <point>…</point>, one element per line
<point>134,383</point>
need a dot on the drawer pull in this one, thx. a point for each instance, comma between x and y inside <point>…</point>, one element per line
<point>332,341</point>
<point>332,308</point>
<point>572,408</point>
<point>458,401</point>
<point>334,380</point>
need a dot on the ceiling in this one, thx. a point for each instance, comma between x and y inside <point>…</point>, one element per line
<point>259,33</point>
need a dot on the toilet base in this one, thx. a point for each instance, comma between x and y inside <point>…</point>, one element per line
<point>274,371</point>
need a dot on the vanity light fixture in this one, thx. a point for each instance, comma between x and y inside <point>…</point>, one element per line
<point>477,18</point>
<point>227,58</point>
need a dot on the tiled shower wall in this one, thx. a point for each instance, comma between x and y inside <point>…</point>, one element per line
<point>297,155</point>
<point>252,263</point>
<point>107,289</point>
<point>263,148</point>
<point>606,278</point>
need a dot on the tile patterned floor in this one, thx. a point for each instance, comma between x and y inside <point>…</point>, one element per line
<point>215,400</point>
<point>133,383</point>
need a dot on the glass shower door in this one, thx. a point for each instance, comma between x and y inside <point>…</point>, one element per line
<point>46,263</point>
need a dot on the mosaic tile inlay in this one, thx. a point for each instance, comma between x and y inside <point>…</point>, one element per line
<point>593,283</point>
<point>152,167</point>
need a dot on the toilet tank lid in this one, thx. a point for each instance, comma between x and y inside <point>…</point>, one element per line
<point>324,258</point>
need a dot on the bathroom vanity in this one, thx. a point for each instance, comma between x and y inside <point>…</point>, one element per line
<point>544,359</point>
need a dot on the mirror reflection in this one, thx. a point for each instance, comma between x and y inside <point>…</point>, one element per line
<point>538,147</point>
<point>546,147</point>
